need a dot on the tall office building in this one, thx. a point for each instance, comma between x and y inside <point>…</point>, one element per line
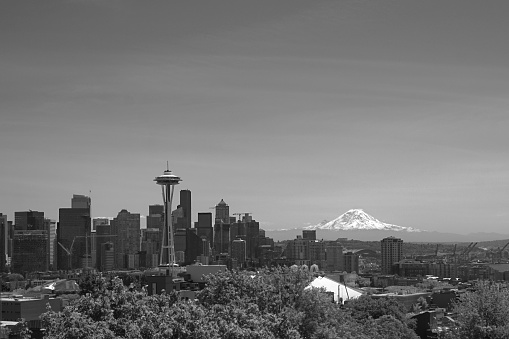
<point>177,218</point>
<point>392,252</point>
<point>204,226</point>
<point>249,230</point>
<point>80,201</point>
<point>239,252</point>
<point>29,220</point>
<point>155,217</point>
<point>73,231</point>
<point>222,213</point>
<point>30,251</point>
<point>99,221</point>
<point>4,241</point>
<point>185,203</point>
<point>222,228</point>
<point>221,238</point>
<point>151,245</point>
<point>102,232</point>
<point>126,227</point>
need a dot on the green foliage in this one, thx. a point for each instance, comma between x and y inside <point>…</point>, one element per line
<point>21,330</point>
<point>367,307</point>
<point>430,284</point>
<point>264,304</point>
<point>483,313</point>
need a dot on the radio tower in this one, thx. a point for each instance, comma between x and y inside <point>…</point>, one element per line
<point>167,181</point>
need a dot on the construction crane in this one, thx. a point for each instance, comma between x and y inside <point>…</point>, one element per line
<point>69,250</point>
<point>246,214</point>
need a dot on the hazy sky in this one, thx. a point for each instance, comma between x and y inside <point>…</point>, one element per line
<point>295,111</point>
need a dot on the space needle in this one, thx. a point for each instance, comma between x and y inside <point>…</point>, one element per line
<point>167,181</point>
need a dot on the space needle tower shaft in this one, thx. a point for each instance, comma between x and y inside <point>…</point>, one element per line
<point>167,181</point>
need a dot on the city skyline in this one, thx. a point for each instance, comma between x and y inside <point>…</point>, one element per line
<point>294,111</point>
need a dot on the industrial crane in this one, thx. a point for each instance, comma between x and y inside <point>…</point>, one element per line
<point>242,213</point>
<point>68,251</point>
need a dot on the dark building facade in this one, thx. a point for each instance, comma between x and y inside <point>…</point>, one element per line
<point>392,252</point>
<point>103,235</point>
<point>4,241</point>
<point>155,217</point>
<point>221,238</point>
<point>204,226</point>
<point>73,231</point>
<point>185,203</point>
<point>29,220</point>
<point>30,251</point>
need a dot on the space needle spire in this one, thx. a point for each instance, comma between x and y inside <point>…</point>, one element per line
<point>167,180</point>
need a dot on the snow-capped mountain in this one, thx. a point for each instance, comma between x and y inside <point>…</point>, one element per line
<point>357,219</point>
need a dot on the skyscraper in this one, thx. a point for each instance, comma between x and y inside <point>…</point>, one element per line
<point>4,241</point>
<point>221,238</point>
<point>185,203</point>
<point>155,217</point>
<point>204,226</point>
<point>249,230</point>
<point>239,251</point>
<point>73,230</point>
<point>222,228</point>
<point>30,251</point>
<point>29,220</point>
<point>222,213</point>
<point>102,232</point>
<point>392,252</point>
<point>126,227</point>
<point>80,201</point>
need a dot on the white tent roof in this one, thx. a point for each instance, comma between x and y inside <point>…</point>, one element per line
<point>341,292</point>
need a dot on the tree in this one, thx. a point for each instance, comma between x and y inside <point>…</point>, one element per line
<point>483,313</point>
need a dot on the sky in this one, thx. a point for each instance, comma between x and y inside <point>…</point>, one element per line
<point>294,111</point>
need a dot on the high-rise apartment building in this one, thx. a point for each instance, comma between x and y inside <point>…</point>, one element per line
<point>350,262</point>
<point>334,256</point>
<point>29,220</point>
<point>392,252</point>
<point>126,227</point>
<point>51,227</point>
